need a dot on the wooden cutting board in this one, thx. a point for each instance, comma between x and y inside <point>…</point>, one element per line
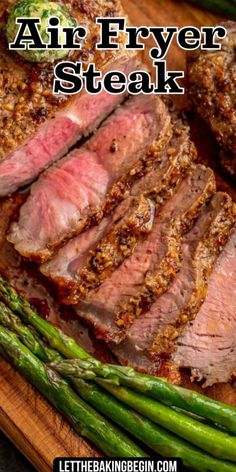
<point>25,416</point>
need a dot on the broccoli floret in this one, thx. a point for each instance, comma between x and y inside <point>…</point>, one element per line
<point>44,10</point>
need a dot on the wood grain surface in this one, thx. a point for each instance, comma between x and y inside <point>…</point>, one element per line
<point>25,416</point>
<point>33,425</point>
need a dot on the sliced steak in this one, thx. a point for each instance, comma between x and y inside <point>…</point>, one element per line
<point>38,126</point>
<point>168,167</point>
<point>161,248</point>
<point>26,88</point>
<point>70,258</point>
<point>120,239</point>
<point>72,194</point>
<point>132,218</point>
<point>153,335</point>
<point>135,221</point>
<point>208,344</point>
<point>54,138</point>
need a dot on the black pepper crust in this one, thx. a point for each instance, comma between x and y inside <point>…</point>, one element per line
<point>212,89</point>
<point>26,97</point>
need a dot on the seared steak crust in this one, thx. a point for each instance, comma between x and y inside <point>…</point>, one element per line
<point>54,138</point>
<point>91,260</point>
<point>207,346</point>
<point>118,244</point>
<point>201,258</point>
<point>39,127</point>
<point>167,168</point>
<point>212,87</point>
<point>153,335</point>
<point>103,305</point>
<point>173,221</point>
<point>75,192</point>
<point>68,261</point>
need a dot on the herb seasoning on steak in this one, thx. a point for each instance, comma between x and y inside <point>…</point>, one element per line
<point>75,193</point>
<point>101,308</point>
<point>154,334</point>
<point>165,170</point>
<point>212,88</point>
<point>37,127</point>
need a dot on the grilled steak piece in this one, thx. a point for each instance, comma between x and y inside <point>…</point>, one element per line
<point>75,192</point>
<point>135,221</point>
<point>63,268</point>
<point>207,346</point>
<point>153,335</point>
<point>119,240</point>
<point>73,264</point>
<point>169,166</point>
<point>212,87</point>
<point>54,138</point>
<point>39,127</point>
<point>161,248</point>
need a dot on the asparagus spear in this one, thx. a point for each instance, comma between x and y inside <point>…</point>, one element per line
<point>56,338</point>
<point>84,419</point>
<point>217,443</point>
<point>156,437</point>
<point>185,399</point>
<point>25,333</point>
<point>225,7</point>
<point>153,436</point>
<point>41,350</point>
<point>210,466</point>
<point>213,441</point>
<point>159,389</point>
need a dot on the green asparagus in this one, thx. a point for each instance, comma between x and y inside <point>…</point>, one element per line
<point>56,338</point>
<point>25,333</point>
<point>225,7</point>
<point>113,408</point>
<point>69,348</point>
<point>215,442</point>
<point>84,419</point>
<point>154,436</point>
<point>211,440</point>
<point>159,389</point>
<point>122,415</point>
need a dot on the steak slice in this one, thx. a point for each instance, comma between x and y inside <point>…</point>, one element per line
<point>120,239</point>
<point>208,346</point>
<point>26,88</point>
<point>153,335</point>
<point>134,216</point>
<point>168,167</point>
<point>55,137</point>
<point>70,258</point>
<point>69,195</point>
<point>161,248</point>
